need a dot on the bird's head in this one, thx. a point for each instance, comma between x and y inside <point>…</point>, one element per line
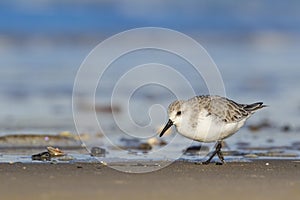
<point>175,115</point>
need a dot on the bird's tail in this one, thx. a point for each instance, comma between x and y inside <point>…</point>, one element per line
<point>255,106</point>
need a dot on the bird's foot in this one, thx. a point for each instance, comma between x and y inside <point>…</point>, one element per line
<point>205,162</point>
<point>217,152</point>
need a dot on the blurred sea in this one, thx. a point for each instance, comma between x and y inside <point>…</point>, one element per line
<point>255,45</point>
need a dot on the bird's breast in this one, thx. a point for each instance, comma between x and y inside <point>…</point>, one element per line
<point>208,129</point>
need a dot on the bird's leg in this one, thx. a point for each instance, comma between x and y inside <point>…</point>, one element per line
<point>209,159</point>
<point>216,151</point>
<point>219,152</point>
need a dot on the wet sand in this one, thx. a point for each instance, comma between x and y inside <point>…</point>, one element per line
<point>254,180</point>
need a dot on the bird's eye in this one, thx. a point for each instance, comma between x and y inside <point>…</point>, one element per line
<point>178,113</point>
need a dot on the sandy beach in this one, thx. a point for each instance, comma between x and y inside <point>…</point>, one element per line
<point>263,179</point>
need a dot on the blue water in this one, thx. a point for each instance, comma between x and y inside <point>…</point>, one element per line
<point>255,45</point>
<point>55,17</point>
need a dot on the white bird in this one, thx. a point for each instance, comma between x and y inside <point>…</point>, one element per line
<point>209,118</point>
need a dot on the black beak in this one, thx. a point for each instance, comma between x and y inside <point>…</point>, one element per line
<point>168,125</point>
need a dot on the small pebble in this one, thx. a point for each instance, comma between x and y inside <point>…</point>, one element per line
<point>144,146</point>
<point>98,152</point>
<point>44,156</point>
<point>286,128</point>
<point>267,164</point>
<point>103,163</point>
<point>270,140</point>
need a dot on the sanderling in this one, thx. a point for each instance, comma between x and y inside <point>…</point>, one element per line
<point>209,119</point>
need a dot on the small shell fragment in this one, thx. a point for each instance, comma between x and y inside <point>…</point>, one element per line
<point>55,151</point>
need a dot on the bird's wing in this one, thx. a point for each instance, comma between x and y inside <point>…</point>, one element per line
<point>227,110</point>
